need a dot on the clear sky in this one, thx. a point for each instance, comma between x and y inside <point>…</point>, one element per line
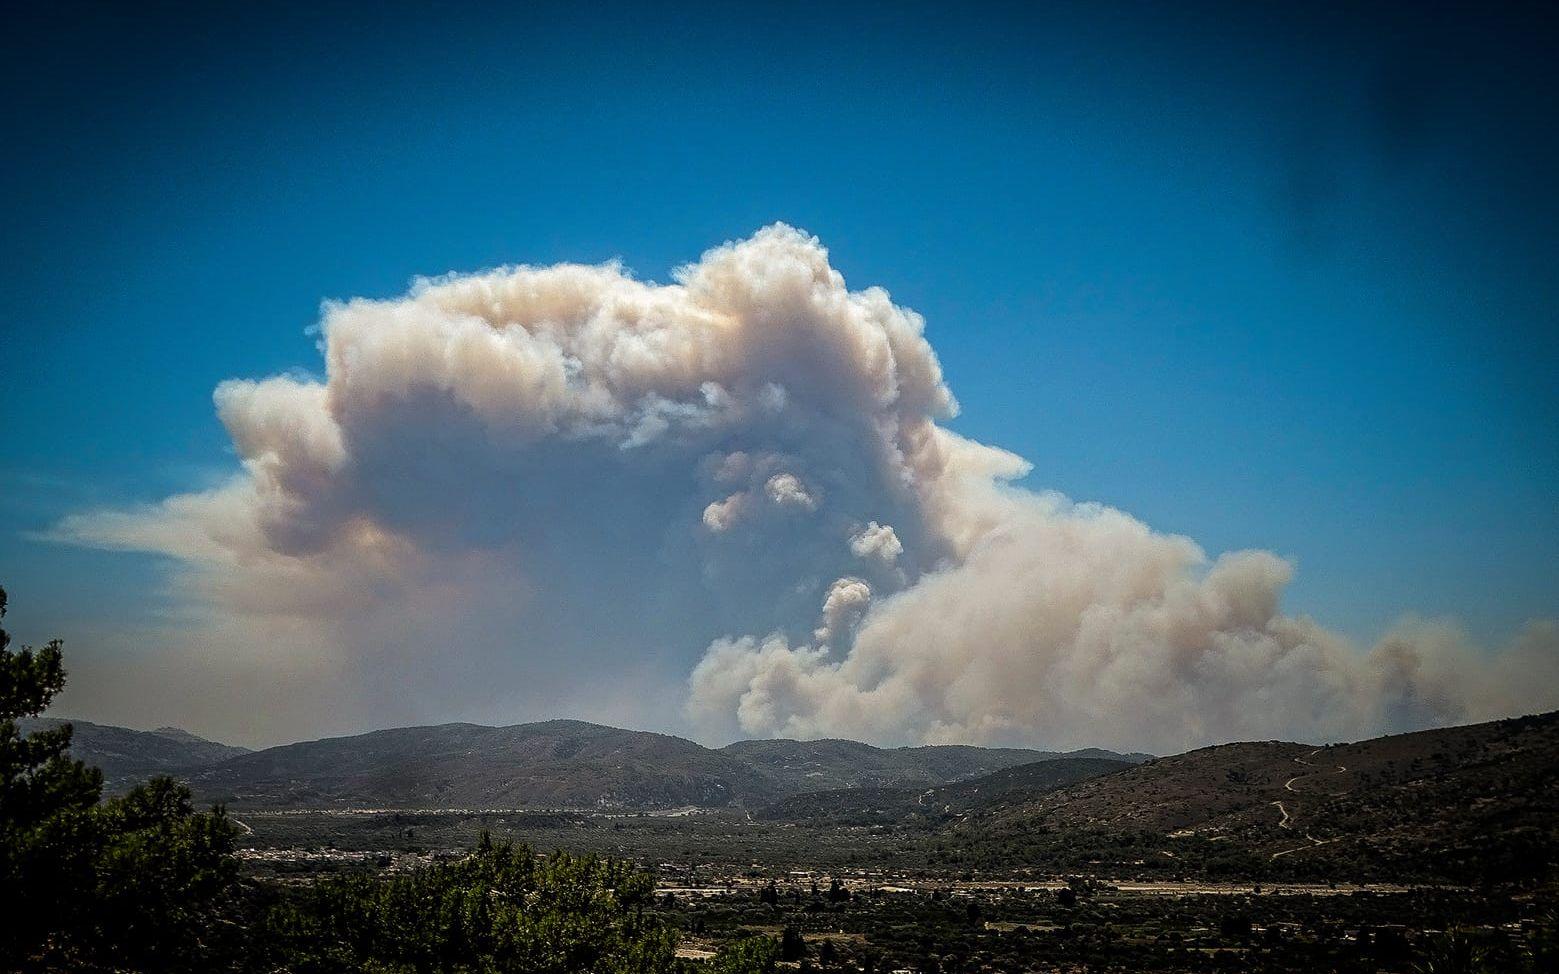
<point>1282,280</point>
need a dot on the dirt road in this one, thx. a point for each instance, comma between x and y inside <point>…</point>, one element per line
<point>1287,821</point>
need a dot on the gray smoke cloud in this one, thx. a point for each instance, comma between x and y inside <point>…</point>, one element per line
<point>539,490</point>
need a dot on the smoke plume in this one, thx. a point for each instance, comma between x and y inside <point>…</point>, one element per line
<point>545,489</point>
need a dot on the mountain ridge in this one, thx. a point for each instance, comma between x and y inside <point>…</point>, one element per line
<point>1467,803</point>
<point>939,804</point>
<point>128,756</point>
<point>562,762</point>
<point>572,763</point>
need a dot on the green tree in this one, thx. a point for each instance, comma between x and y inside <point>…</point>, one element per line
<point>166,879</point>
<point>47,832</point>
<point>502,909</point>
<point>137,883</point>
<point>753,955</point>
<point>792,945</point>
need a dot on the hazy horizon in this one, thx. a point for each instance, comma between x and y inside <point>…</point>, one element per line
<point>539,720</point>
<point>713,745</point>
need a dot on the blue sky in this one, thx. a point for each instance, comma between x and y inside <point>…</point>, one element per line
<point>1282,281</point>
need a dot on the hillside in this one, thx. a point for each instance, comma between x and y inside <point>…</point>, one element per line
<point>568,764</point>
<point>1460,803</point>
<point>130,756</point>
<point>826,765</point>
<point>1465,804</point>
<point>905,805</point>
<point>557,763</point>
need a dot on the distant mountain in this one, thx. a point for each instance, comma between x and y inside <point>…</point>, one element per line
<point>1470,804</point>
<point>903,805</point>
<point>825,765</point>
<point>551,764</point>
<point>1474,803</point>
<point>128,757</point>
<point>572,764</point>
<point>556,763</point>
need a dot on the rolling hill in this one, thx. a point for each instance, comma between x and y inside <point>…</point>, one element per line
<point>130,756</point>
<point>556,763</point>
<point>825,765</point>
<point>570,764</point>
<point>878,805</point>
<point>1465,804</point>
<point>1468,804</point>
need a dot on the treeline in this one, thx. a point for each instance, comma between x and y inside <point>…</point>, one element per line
<point>145,882</point>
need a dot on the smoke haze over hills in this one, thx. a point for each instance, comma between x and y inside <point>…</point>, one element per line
<point>542,490</point>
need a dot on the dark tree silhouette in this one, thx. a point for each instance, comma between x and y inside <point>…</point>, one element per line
<point>792,946</point>
<point>136,883</point>
<point>46,801</point>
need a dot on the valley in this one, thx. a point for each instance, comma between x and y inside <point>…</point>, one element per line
<point>1260,856</point>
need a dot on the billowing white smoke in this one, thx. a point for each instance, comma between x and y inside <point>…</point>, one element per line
<point>538,487</point>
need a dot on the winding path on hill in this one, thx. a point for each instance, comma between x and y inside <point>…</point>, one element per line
<point>1287,821</point>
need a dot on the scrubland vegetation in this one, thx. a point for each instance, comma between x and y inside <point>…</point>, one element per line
<point>875,881</point>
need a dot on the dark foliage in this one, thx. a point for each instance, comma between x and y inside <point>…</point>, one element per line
<point>144,882</point>
<point>502,909</point>
<point>136,883</point>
